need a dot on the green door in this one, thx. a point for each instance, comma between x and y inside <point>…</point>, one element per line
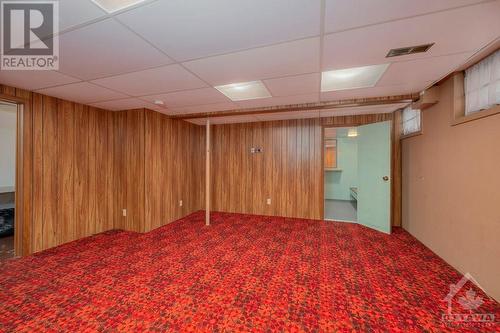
<point>374,170</point>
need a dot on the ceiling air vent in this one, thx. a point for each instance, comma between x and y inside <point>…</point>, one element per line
<point>409,50</point>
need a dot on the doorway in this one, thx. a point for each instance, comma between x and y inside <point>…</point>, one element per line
<point>8,138</point>
<point>341,173</point>
<point>357,169</point>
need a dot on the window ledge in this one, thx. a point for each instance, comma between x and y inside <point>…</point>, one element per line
<point>411,135</point>
<point>477,115</point>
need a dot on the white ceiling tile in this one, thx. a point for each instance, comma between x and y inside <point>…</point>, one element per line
<point>205,108</point>
<point>32,80</point>
<point>76,12</point>
<point>274,101</point>
<point>106,48</point>
<point>189,97</point>
<point>82,92</point>
<point>294,85</point>
<point>347,14</point>
<point>377,91</point>
<point>298,57</point>
<point>73,13</point>
<point>452,32</point>
<point>153,81</point>
<point>350,111</point>
<point>115,6</point>
<point>126,104</point>
<point>288,115</point>
<point>190,29</point>
<point>422,70</point>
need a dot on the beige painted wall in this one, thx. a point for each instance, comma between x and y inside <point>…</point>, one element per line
<point>451,191</point>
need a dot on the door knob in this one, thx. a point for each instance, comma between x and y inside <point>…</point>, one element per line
<point>385,178</point>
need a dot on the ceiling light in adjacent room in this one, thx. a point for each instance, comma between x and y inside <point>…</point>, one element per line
<point>159,102</point>
<point>352,133</point>
<point>352,78</point>
<point>244,90</point>
<point>112,6</point>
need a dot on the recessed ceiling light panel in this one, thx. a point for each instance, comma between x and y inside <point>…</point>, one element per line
<point>112,6</point>
<point>244,91</point>
<point>352,78</point>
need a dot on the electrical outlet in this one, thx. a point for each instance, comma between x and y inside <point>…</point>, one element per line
<point>180,203</point>
<point>268,201</point>
<point>124,212</point>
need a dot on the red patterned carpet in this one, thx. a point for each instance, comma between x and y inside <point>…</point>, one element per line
<point>244,273</point>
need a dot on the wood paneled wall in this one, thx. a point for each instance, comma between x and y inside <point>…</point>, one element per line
<point>174,168</point>
<point>80,166</point>
<point>75,178</point>
<point>159,164</point>
<point>130,160</point>
<point>68,171</point>
<point>289,171</point>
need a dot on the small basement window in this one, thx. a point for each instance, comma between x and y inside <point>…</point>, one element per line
<point>411,122</point>
<point>482,84</point>
<point>476,90</point>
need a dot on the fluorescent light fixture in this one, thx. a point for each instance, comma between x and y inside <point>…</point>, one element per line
<point>112,6</point>
<point>352,78</point>
<point>244,90</point>
<point>352,133</point>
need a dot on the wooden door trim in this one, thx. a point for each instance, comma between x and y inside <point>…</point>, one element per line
<point>19,194</point>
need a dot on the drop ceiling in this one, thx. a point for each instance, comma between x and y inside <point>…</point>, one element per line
<point>177,51</point>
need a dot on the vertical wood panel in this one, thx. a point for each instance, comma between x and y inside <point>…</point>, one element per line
<point>81,174</point>
<point>172,172</point>
<point>50,166</point>
<point>64,173</point>
<point>38,164</point>
<point>93,171</point>
<point>101,145</point>
<point>397,188</point>
<point>111,171</point>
